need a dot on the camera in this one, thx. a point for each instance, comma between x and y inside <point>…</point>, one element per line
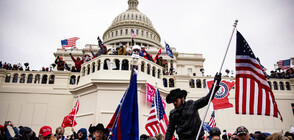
<point>6,122</point>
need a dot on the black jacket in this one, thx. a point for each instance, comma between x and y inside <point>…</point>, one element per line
<point>185,119</point>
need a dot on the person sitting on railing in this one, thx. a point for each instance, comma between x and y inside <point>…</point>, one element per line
<point>145,54</point>
<point>103,49</point>
<point>78,62</point>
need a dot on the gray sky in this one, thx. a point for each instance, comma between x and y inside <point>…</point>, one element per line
<point>31,30</point>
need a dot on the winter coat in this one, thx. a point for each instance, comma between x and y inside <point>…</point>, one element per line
<point>122,50</point>
<point>78,64</point>
<point>185,119</point>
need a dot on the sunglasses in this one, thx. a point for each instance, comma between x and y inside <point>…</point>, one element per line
<point>60,134</point>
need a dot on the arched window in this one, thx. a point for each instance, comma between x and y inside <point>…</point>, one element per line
<point>115,66</point>
<point>22,78</point>
<point>148,69</point>
<point>37,78</point>
<point>282,85</point>
<point>126,31</point>
<point>137,32</point>
<point>164,82</point>
<point>275,85</point>
<point>153,71</point>
<point>198,83</point>
<point>51,79</point>
<point>72,80</point>
<point>171,82</point>
<point>30,78</point>
<point>142,66</point>
<point>269,84</point>
<point>83,71</point>
<point>288,86</point>
<point>158,73</point>
<point>44,79</point>
<point>121,32</point>
<point>192,83</point>
<point>125,64</point>
<point>99,61</point>
<point>111,34</point>
<point>204,83</point>
<point>142,33</point>
<point>106,64</point>
<point>8,77</point>
<point>116,33</point>
<point>93,67</point>
<point>78,80</point>
<point>88,69</point>
<point>15,78</point>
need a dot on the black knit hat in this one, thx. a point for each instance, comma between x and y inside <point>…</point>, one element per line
<point>174,94</point>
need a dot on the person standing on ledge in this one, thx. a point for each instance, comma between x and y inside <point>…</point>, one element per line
<point>184,118</point>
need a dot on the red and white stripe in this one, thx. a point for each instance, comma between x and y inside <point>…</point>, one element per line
<point>211,122</point>
<point>153,125</point>
<point>253,94</point>
<point>71,42</point>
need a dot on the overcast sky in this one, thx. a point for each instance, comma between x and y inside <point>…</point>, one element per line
<point>31,30</point>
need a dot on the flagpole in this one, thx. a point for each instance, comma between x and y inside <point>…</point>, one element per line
<point>235,25</point>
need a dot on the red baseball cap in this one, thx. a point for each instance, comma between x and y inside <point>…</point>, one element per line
<point>45,131</point>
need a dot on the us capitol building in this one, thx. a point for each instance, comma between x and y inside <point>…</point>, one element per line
<point>38,98</point>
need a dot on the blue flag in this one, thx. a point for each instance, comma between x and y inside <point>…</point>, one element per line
<point>169,52</point>
<point>127,125</point>
<point>206,127</point>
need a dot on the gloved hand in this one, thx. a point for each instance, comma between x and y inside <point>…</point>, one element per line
<point>69,53</point>
<point>217,78</point>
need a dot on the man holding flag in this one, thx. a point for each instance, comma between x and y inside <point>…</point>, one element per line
<point>184,118</point>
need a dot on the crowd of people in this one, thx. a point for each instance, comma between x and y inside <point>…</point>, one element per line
<point>281,74</point>
<point>99,132</point>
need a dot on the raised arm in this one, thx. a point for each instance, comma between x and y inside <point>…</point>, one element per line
<point>204,100</point>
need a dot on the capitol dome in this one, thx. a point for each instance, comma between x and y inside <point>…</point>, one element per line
<point>132,19</point>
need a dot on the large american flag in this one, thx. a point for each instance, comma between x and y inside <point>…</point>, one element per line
<point>253,94</point>
<point>157,121</point>
<point>71,42</point>
<point>211,122</point>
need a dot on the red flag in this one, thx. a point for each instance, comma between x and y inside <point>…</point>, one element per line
<point>69,120</point>
<point>157,55</point>
<point>221,98</point>
<point>253,94</point>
